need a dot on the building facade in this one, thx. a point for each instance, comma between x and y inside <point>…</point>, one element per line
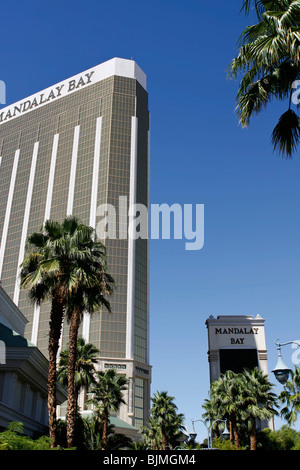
<point>79,145</point>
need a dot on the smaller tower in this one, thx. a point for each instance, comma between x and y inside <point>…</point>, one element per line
<point>236,342</point>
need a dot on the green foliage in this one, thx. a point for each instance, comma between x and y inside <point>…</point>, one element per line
<point>107,397</point>
<point>107,391</point>
<point>285,438</point>
<point>14,439</point>
<point>87,356</point>
<point>138,446</point>
<point>93,433</point>
<point>268,61</point>
<point>241,399</point>
<point>165,425</point>
<point>290,397</point>
<point>224,444</point>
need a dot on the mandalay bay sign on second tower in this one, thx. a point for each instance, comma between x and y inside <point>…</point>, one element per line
<point>69,149</point>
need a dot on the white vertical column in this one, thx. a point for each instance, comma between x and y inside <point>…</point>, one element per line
<point>93,209</point>
<point>71,193</point>
<point>94,194</point>
<point>73,171</point>
<point>131,241</point>
<point>26,220</point>
<point>51,177</point>
<point>8,208</point>
<point>36,313</point>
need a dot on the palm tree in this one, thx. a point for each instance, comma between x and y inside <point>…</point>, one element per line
<point>48,272</point>
<point>242,398</point>
<point>291,397</point>
<point>87,355</point>
<point>225,402</point>
<point>64,264</point>
<point>269,61</point>
<point>107,397</point>
<point>258,400</point>
<point>152,434</point>
<point>214,411</point>
<point>175,430</point>
<point>165,418</point>
<point>91,285</point>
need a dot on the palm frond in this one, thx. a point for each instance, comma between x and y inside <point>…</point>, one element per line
<point>252,102</point>
<point>258,5</point>
<point>286,134</point>
<point>269,62</point>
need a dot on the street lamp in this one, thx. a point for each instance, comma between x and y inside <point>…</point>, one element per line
<point>193,434</point>
<point>225,433</point>
<point>281,370</point>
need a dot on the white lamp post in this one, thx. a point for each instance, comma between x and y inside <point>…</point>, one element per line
<point>281,370</point>
<point>193,435</point>
<point>225,433</point>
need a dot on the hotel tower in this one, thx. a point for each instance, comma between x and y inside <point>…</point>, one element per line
<point>69,149</point>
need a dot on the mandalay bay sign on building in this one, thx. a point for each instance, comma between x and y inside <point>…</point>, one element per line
<point>47,96</point>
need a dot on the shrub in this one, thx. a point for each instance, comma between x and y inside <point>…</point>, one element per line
<point>14,439</point>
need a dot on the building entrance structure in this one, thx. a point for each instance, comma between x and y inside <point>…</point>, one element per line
<point>236,342</point>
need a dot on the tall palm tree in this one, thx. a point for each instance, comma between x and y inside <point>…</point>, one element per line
<point>258,400</point>
<point>269,61</point>
<point>87,355</point>
<point>164,416</point>
<point>107,397</point>
<point>64,264</point>
<point>92,284</point>
<point>48,273</point>
<point>290,396</point>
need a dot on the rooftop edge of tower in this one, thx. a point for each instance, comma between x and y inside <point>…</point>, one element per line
<point>113,67</point>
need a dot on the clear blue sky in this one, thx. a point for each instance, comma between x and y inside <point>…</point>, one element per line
<point>250,260</point>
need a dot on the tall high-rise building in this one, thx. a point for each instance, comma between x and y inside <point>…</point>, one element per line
<point>69,149</point>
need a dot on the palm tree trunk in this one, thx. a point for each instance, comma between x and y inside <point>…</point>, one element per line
<point>253,440</point>
<point>72,396</point>
<point>164,441</point>
<point>231,431</point>
<point>76,399</point>
<point>235,432</point>
<point>105,428</point>
<point>56,319</point>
